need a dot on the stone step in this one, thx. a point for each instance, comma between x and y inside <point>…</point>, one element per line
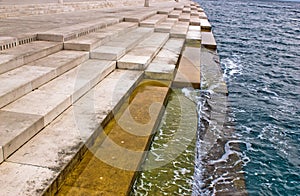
<point>165,26</point>
<point>139,16</point>
<point>188,72</point>
<point>202,15</point>
<point>164,64</point>
<point>40,166</point>
<point>185,17</point>
<point>141,55</point>
<point>117,48</point>
<point>24,79</point>
<point>18,56</point>
<point>193,36</point>
<point>165,10</point>
<point>186,10</point>
<point>175,14</point>
<point>94,40</point>
<point>67,33</point>
<point>208,40</point>
<point>205,25</point>
<point>47,102</point>
<point>179,30</point>
<point>153,20</point>
<point>195,20</point>
<point>179,7</point>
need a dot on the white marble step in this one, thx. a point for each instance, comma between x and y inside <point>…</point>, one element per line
<point>175,14</point>
<point>164,64</point>
<point>67,33</point>
<point>139,16</point>
<point>208,40</point>
<point>44,104</point>
<point>166,26</point>
<point>24,79</point>
<point>94,40</point>
<point>141,55</point>
<point>117,48</point>
<point>179,30</point>
<point>47,158</point>
<point>205,25</point>
<point>20,55</point>
<point>153,20</point>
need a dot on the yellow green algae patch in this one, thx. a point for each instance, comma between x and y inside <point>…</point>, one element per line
<point>110,165</point>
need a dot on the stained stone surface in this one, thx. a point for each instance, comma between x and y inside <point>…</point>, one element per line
<point>16,129</point>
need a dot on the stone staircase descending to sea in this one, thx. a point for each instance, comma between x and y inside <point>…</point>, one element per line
<point>49,76</point>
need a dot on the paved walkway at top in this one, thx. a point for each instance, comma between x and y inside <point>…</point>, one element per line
<point>20,2</point>
<point>20,26</point>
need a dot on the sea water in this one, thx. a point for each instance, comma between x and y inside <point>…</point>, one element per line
<point>259,47</point>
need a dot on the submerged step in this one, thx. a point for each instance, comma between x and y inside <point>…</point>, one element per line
<point>24,79</point>
<point>141,55</point>
<point>93,40</point>
<point>23,54</point>
<point>51,100</point>
<point>117,48</point>
<point>118,152</point>
<point>60,145</point>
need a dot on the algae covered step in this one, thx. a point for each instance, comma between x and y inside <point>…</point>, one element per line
<point>118,152</point>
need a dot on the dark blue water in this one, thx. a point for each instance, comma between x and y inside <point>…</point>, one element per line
<point>259,47</point>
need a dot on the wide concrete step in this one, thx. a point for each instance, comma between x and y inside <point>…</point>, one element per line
<point>41,165</point>
<point>120,45</point>
<point>153,20</point>
<point>179,30</point>
<point>164,64</point>
<point>165,26</point>
<point>67,33</point>
<point>24,79</point>
<point>94,40</point>
<point>44,104</point>
<point>141,55</point>
<point>18,56</point>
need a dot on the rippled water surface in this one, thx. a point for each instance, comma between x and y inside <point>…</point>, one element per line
<point>259,47</point>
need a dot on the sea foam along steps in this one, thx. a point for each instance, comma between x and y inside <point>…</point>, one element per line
<point>95,39</point>
<point>26,78</point>
<point>48,101</point>
<point>18,56</point>
<point>41,165</point>
<point>120,45</point>
<point>141,55</point>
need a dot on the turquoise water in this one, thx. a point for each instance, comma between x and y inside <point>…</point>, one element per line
<point>259,47</point>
